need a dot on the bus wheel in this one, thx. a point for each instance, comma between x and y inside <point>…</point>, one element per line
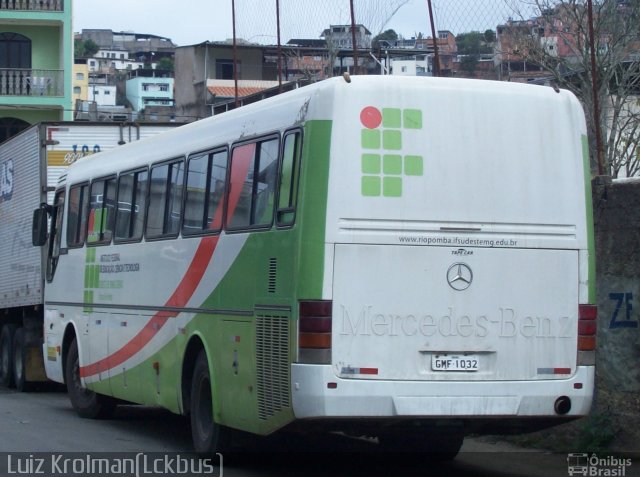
<point>85,402</point>
<point>19,359</point>
<point>208,436</point>
<point>6,355</point>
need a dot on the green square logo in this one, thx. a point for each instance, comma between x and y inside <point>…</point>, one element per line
<point>392,140</point>
<point>371,164</point>
<point>370,139</point>
<point>392,165</point>
<point>412,118</point>
<point>391,118</point>
<point>371,186</point>
<point>392,187</point>
<point>413,165</point>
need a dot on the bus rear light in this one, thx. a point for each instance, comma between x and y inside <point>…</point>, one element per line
<point>312,308</point>
<point>315,324</point>
<point>314,331</point>
<point>586,343</point>
<point>314,340</point>
<point>587,328</point>
<point>587,312</point>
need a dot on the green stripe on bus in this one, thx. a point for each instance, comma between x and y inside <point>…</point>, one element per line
<point>313,205</point>
<point>591,247</point>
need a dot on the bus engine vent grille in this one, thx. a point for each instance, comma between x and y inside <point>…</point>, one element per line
<point>273,273</point>
<point>272,359</point>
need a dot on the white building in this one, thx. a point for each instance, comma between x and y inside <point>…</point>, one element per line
<point>106,60</point>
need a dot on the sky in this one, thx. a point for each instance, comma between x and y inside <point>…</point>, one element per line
<point>189,22</point>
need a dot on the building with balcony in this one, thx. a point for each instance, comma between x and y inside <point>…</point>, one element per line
<point>150,88</point>
<point>36,63</point>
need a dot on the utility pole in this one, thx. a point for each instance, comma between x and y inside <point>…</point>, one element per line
<point>279,47</point>
<point>595,86</point>
<point>353,39</point>
<point>436,56</point>
<point>235,52</point>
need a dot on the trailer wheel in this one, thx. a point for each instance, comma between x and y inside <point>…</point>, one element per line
<point>86,403</point>
<point>19,359</point>
<point>208,436</point>
<point>6,355</point>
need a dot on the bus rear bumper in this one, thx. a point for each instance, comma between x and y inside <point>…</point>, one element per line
<point>317,393</point>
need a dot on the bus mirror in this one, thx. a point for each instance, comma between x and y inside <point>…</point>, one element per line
<point>39,226</point>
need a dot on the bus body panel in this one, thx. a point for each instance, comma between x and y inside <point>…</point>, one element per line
<point>313,399</point>
<point>394,312</point>
<point>402,189</point>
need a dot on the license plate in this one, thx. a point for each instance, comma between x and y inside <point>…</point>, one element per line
<point>454,362</point>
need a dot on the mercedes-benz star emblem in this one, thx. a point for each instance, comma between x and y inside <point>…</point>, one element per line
<point>459,276</point>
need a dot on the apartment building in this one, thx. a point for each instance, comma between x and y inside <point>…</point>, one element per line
<point>36,63</point>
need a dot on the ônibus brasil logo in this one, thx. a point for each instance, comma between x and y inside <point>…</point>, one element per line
<point>384,166</point>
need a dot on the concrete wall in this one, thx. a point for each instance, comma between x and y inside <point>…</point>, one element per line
<point>617,229</point>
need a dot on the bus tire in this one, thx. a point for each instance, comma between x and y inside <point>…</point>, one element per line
<point>6,355</point>
<point>19,360</point>
<point>208,436</point>
<point>86,403</point>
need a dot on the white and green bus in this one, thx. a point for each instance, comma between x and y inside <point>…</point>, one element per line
<point>405,258</point>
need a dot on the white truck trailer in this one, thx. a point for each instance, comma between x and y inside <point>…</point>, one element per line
<point>30,165</point>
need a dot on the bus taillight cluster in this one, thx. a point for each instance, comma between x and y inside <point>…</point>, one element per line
<point>314,331</point>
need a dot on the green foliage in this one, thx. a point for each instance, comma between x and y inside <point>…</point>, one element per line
<point>165,64</point>
<point>469,63</point>
<point>85,49</point>
<point>490,36</point>
<point>473,43</point>
<point>385,35</point>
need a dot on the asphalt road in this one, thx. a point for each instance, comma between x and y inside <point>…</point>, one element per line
<point>43,422</point>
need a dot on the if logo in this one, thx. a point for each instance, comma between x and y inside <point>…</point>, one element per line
<point>384,164</point>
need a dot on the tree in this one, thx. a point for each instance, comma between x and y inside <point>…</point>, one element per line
<point>489,36</point>
<point>558,41</point>
<point>472,43</point>
<point>385,35</point>
<point>468,64</point>
<point>85,49</point>
<point>165,63</point>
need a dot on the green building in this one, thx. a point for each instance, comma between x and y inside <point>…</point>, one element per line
<point>36,63</point>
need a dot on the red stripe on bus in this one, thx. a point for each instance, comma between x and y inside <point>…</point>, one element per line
<point>242,160</point>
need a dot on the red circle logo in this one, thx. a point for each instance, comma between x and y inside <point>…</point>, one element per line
<point>371,117</point>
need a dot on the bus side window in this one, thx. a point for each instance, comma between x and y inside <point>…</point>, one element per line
<point>132,201</point>
<point>101,211</point>
<point>289,174</point>
<point>78,212</point>
<point>165,200</point>
<point>56,232</point>
<point>206,175</point>
<point>257,164</point>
